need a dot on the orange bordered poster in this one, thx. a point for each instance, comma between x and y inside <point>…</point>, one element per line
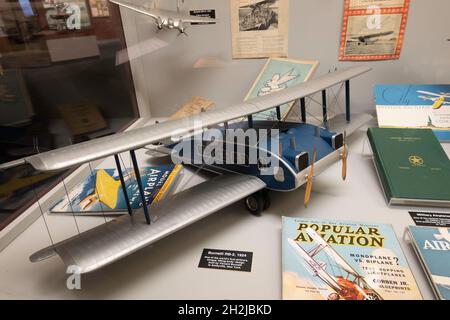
<point>373,29</point>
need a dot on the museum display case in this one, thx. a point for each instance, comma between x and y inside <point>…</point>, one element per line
<point>60,85</point>
<point>230,149</point>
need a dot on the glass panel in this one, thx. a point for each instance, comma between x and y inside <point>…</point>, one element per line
<point>59,85</point>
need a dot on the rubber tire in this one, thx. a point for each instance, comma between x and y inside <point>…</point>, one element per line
<point>255,203</point>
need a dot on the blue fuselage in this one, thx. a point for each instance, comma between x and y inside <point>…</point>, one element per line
<point>292,147</point>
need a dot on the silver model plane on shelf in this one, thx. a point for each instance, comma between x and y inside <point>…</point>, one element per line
<point>165,19</point>
<point>301,151</point>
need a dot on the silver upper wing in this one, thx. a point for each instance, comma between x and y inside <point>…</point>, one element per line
<point>154,13</point>
<point>116,239</point>
<point>134,139</point>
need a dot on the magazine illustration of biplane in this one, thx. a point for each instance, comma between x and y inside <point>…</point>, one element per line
<point>337,274</point>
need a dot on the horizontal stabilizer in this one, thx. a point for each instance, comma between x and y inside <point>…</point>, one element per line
<point>116,239</point>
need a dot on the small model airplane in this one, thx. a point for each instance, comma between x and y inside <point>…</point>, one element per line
<point>348,284</point>
<point>439,99</point>
<point>370,38</point>
<point>166,19</point>
<point>291,155</point>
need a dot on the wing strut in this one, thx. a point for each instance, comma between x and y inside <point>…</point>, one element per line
<point>278,113</point>
<point>347,100</point>
<point>324,106</point>
<point>303,108</point>
<point>250,121</point>
<point>122,182</point>
<point>141,188</point>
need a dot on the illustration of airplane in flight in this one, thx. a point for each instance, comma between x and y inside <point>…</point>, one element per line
<point>370,38</point>
<point>302,151</point>
<point>278,82</point>
<point>166,19</point>
<point>439,99</point>
<point>348,284</point>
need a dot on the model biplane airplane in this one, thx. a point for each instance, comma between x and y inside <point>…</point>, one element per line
<point>439,99</point>
<point>302,151</point>
<point>166,19</point>
<point>346,282</point>
<point>370,38</point>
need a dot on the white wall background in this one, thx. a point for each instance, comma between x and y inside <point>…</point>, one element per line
<point>167,78</point>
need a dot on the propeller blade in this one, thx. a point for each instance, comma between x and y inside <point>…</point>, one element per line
<point>309,180</point>
<point>344,158</point>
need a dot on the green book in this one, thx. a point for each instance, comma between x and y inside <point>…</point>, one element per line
<point>412,166</point>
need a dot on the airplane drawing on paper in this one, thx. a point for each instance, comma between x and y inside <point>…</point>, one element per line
<point>279,74</point>
<point>438,99</point>
<point>369,38</point>
<point>277,83</point>
<point>337,274</point>
<point>165,19</point>
<point>284,156</point>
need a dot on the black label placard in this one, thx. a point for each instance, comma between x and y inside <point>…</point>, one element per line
<point>226,260</point>
<point>431,219</point>
<point>206,13</point>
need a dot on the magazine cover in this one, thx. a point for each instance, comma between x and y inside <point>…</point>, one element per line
<point>432,245</point>
<point>336,260</point>
<point>414,106</point>
<point>277,75</point>
<point>101,192</point>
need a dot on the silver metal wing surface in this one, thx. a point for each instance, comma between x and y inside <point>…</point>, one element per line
<point>116,239</point>
<point>134,139</point>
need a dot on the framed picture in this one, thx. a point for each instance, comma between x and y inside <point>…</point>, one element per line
<point>67,15</point>
<point>279,74</point>
<point>373,29</point>
<point>99,8</point>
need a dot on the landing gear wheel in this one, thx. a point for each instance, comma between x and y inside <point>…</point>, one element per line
<point>258,202</point>
<point>255,203</point>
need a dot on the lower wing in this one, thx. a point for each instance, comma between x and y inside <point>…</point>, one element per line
<point>118,238</point>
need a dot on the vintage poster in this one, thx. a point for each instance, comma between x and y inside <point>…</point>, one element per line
<point>373,29</point>
<point>279,74</point>
<point>259,28</point>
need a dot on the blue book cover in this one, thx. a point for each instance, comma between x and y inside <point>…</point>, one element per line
<point>338,260</point>
<point>101,191</point>
<point>432,245</point>
<point>414,106</point>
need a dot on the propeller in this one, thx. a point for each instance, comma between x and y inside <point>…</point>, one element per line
<point>344,156</point>
<point>309,180</point>
<point>182,30</point>
<point>159,24</point>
